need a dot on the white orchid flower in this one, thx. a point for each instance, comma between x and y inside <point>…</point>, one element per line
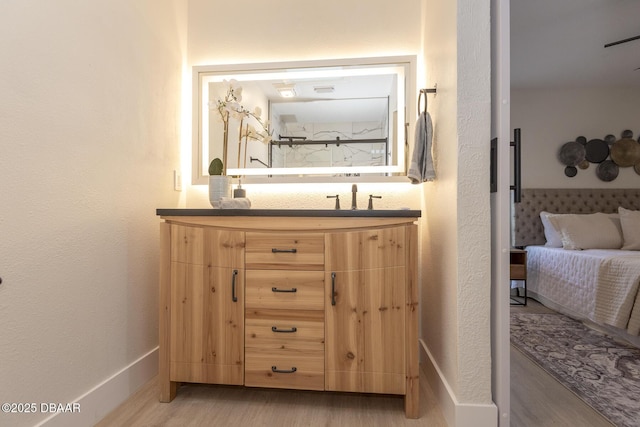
<point>237,92</point>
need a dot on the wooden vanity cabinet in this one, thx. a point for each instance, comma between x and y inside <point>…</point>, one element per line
<point>297,303</point>
<point>202,307</point>
<point>366,287</point>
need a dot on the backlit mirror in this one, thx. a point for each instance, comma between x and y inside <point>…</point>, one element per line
<point>334,118</point>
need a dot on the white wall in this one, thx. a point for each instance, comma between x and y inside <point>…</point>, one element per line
<point>89,127</point>
<point>456,261</point>
<point>440,241</point>
<point>550,117</point>
<point>282,30</point>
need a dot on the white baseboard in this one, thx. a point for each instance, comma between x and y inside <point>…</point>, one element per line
<point>106,396</point>
<point>456,414</point>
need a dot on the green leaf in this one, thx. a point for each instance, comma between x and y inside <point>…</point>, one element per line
<point>215,167</point>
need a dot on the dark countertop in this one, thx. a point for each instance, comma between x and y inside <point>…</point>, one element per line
<point>291,212</point>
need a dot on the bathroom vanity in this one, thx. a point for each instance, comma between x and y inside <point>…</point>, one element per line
<point>297,299</point>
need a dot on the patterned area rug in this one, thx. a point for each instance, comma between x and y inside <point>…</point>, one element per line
<point>601,371</point>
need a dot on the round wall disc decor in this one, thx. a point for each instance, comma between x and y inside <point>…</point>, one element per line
<point>570,171</point>
<point>610,139</point>
<point>609,154</point>
<point>572,153</point>
<point>625,152</point>
<point>607,171</point>
<point>597,151</point>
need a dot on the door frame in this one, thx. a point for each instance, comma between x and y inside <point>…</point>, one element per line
<point>500,208</point>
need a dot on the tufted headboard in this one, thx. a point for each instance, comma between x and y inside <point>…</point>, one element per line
<point>528,227</point>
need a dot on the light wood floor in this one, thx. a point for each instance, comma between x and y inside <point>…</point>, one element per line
<point>537,399</point>
<point>227,406</point>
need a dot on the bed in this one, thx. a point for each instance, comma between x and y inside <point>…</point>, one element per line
<point>593,272</point>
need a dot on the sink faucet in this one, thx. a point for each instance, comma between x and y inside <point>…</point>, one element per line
<point>337,197</point>
<point>371,197</point>
<point>354,202</point>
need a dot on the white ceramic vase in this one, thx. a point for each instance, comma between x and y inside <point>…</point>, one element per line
<point>219,186</point>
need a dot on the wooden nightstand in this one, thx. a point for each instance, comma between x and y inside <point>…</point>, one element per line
<point>518,271</point>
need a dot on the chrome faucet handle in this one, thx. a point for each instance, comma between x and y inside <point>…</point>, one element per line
<point>371,197</point>
<point>337,200</point>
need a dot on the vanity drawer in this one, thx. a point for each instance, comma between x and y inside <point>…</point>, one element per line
<point>279,369</point>
<point>300,333</point>
<point>289,251</point>
<point>284,349</point>
<point>284,289</point>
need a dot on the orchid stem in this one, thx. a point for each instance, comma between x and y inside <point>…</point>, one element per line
<point>246,145</point>
<point>240,140</point>
<point>225,145</point>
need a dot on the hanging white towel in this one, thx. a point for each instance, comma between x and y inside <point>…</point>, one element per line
<point>421,167</point>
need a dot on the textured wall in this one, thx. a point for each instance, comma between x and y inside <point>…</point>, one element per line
<point>474,216</point>
<point>314,195</point>
<point>282,30</point>
<point>456,264</point>
<point>89,124</point>
<point>440,242</point>
<point>550,117</point>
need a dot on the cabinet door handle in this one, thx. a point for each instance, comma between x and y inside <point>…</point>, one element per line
<point>333,288</point>
<point>289,251</point>
<point>290,330</point>
<point>292,290</point>
<point>234,297</point>
<point>283,371</point>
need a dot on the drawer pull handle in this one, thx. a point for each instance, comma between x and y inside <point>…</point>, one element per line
<point>288,251</point>
<point>234,297</point>
<point>290,330</point>
<point>283,371</point>
<point>292,290</point>
<point>333,288</point>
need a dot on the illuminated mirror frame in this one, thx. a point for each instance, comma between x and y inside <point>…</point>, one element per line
<point>403,66</point>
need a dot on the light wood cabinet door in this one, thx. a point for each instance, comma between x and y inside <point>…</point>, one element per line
<point>365,331</point>
<point>207,307</point>
<point>207,246</point>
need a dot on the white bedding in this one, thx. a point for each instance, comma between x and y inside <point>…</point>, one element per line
<point>596,284</point>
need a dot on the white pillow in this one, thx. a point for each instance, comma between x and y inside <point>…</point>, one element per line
<point>553,236</point>
<point>589,231</point>
<point>630,222</point>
